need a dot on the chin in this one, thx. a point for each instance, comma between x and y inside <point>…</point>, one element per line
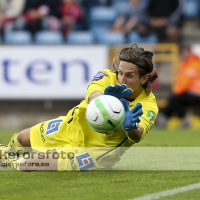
<point>130,97</point>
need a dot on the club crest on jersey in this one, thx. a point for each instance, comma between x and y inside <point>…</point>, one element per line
<point>99,76</point>
<point>85,161</point>
<point>53,126</point>
<point>151,115</point>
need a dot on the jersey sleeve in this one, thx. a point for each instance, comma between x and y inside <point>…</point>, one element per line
<point>150,112</point>
<point>100,81</point>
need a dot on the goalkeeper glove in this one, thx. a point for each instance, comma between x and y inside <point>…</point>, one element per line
<point>118,91</point>
<point>132,117</point>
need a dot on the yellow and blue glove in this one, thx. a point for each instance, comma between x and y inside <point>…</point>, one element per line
<point>132,117</point>
<point>118,91</point>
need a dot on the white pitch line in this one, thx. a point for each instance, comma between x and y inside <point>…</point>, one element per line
<point>166,193</point>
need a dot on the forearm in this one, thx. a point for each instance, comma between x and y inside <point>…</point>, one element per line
<point>135,134</point>
<point>118,23</point>
<point>94,95</point>
<point>130,25</point>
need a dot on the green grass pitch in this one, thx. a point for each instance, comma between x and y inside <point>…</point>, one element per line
<point>107,185</point>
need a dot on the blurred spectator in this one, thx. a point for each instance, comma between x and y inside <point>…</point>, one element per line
<point>133,18</point>
<point>71,14</point>
<point>52,21</point>
<point>86,6</point>
<point>166,18</point>
<point>33,14</point>
<point>9,11</point>
<point>186,91</point>
<point>39,15</point>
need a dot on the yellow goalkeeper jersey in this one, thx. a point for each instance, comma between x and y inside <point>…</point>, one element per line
<point>149,106</point>
<point>73,130</point>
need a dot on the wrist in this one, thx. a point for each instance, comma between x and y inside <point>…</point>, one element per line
<point>134,134</point>
<point>131,129</point>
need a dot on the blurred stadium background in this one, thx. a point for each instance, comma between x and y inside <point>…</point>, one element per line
<point>45,74</point>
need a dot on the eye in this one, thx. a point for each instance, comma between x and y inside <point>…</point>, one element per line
<point>130,75</point>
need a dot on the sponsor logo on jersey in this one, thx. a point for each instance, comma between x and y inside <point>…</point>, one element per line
<point>85,161</point>
<point>53,126</point>
<point>99,76</point>
<point>42,132</point>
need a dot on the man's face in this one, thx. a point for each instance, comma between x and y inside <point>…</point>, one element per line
<point>128,74</point>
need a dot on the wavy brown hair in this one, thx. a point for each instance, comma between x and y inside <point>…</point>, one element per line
<point>141,58</point>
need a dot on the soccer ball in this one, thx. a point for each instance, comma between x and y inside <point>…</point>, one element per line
<point>105,113</point>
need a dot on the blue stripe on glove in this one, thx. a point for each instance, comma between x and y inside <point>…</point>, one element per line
<point>132,117</point>
<point>118,91</point>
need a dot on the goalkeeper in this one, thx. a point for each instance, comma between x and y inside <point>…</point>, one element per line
<point>68,143</point>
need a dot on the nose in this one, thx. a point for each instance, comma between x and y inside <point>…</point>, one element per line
<point>122,80</point>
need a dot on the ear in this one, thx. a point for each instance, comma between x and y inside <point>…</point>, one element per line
<point>144,79</point>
